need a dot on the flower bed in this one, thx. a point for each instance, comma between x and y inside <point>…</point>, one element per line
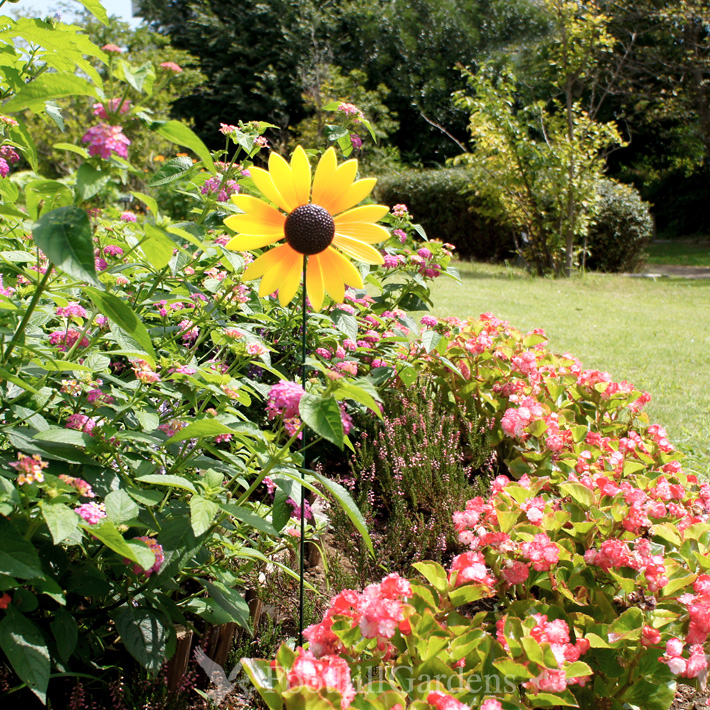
<point>586,578</point>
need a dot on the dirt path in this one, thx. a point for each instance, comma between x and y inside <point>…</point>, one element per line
<point>687,272</point>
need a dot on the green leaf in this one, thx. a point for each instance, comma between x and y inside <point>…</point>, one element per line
<point>66,633</point>
<point>120,507</point>
<point>627,627</point>
<point>200,429</point>
<point>51,85</point>
<point>96,9</point>
<point>578,670</point>
<point>171,170</point>
<point>158,247</point>
<point>249,518</point>
<point>202,514</point>
<point>579,492</point>
<point>89,181</point>
<point>179,133</point>
<point>322,414</point>
<point>43,196</point>
<point>72,149</point>
<point>64,235</point>
<point>167,480</point>
<point>263,679</point>
<point>141,79</point>
<point>361,391</point>
<point>345,323</point>
<point>144,634</point>
<point>18,557</point>
<point>120,313</point>
<point>25,648</point>
<point>62,522</point>
<point>434,573</point>
<point>430,339</point>
<point>107,533</point>
<point>230,600</point>
<point>148,201</point>
<point>343,498</point>
<point>64,436</point>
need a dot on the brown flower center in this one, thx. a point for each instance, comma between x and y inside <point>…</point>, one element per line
<point>309,229</point>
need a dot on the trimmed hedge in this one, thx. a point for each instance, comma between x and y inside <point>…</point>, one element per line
<point>440,201</point>
<point>621,230</point>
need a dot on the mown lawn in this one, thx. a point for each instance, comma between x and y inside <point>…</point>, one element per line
<point>680,253</point>
<point>654,333</point>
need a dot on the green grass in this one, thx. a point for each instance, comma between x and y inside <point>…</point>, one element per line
<point>655,334</point>
<point>680,253</point>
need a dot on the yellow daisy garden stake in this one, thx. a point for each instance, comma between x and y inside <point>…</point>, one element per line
<point>321,226</point>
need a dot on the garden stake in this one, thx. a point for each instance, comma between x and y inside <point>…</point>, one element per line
<point>302,544</point>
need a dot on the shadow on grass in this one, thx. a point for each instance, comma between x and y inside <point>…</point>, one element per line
<point>499,272</point>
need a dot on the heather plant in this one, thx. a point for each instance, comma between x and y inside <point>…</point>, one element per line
<point>585,579</point>
<point>408,476</point>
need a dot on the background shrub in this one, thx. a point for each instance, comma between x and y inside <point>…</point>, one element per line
<point>621,230</point>
<point>439,200</point>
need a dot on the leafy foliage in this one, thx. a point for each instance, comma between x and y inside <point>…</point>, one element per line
<point>622,228</point>
<point>439,200</point>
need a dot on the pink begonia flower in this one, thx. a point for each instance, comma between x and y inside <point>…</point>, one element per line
<point>91,512</point>
<point>326,672</point>
<point>442,701</point>
<point>104,140</point>
<point>471,567</point>
<point>542,552</point>
<point>171,66</point>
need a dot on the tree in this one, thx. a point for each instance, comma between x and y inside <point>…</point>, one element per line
<point>539,160</point>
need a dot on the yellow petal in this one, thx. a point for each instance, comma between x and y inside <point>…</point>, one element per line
<point>349,274</point>
<point>355,193</point>
<point>301,171</point>
<point>358,250</point>
<point>314,282</point>
<point>341,182</point>
<point>247,224</point>
<point>364,231</point>
<point>366,213</point>
<point>332,281</point>
<point>327,166</point>
<point>266,186</point>
<point>265,262</point>
<point>291,280</point>
<point>273,278</point>
<point>245,242</point>
<point>258,209</point>
<point>280,172</point>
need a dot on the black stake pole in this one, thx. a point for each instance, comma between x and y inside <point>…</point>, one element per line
<point>302,543</point>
